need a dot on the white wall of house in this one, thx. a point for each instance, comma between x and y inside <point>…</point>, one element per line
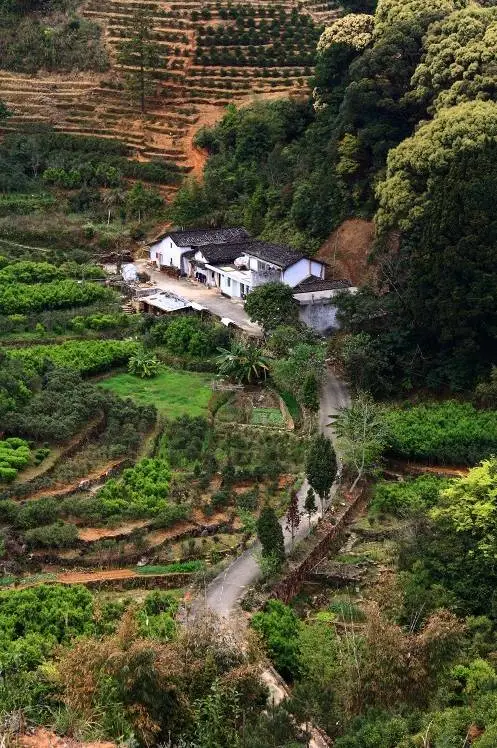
<point>301,270</point>
<point>230,287</point>
<point>167,253</point>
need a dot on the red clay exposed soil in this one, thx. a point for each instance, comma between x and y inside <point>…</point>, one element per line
<point>456,471</point>
<point>90,534</point>
<point>44,739</point>
<point>79,577</point>
<point>347,249</point>
<point>61,488</point>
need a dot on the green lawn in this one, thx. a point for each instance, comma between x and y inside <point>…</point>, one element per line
<point>173,392</point>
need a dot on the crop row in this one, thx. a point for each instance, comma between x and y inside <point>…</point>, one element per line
<point>85,356</point>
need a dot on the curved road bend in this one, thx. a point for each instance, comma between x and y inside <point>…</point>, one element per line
<point>226,590</point>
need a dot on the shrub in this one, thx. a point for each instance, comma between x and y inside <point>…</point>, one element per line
<point>14,455</point>
<point>141,491</point>
<point>279,627</point>
<point>87,357</point>
<point>220,499</point>
<point>448,432</point>
<point>58,535</point>
<point>407,498</point>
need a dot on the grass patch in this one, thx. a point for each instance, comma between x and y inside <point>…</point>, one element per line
<point>174,568</point>
<point>267,417</point>
<point>173,392</point>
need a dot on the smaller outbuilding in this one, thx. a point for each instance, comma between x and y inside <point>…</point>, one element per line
<point>317,308</point>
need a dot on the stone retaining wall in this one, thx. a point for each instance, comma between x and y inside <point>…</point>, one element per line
<point>332,536</point>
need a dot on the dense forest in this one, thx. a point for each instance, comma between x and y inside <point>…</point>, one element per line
<point>401,128</point>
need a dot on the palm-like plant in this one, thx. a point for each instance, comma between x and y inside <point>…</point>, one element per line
<point>143,365</point>
<point>243,362</point>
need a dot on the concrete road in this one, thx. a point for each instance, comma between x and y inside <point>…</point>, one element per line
<point>219,305</point>
<point>226,590</point>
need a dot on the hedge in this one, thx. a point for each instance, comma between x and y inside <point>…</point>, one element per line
<point>449,432</point>
<point>85,356</point>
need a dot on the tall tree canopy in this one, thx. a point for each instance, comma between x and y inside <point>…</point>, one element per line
<point>460,59</point>
<point>439,192</point>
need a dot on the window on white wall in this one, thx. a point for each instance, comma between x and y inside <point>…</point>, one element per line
<point>228,282</point>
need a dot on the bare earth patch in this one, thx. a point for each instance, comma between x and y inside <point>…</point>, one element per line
<point>44,739</point>
<point>90,534</point>
<point>347,249</point>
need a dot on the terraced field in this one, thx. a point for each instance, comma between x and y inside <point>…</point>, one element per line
<point>210,55</point>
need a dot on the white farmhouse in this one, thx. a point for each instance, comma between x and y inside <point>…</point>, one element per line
<point>234,263</point>
<point>169,250</point>
<point>236,269</point>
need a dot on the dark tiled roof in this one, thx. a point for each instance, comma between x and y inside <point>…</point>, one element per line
<point>201,237</point>
<point>313,284</point>
<point>216,253</point>
<point>277,254</point>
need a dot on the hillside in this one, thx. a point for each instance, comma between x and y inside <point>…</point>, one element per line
<point>209,56</point>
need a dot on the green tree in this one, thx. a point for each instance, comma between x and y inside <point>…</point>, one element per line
<point>140,57</point>
<point>293,516</point>
<point>310,393</point>
<point>460,59</point>
<point>270,534</point>
<point>142,202</point>
<point>304,361</point>
<point>279,627</point>
<point>310,504</point>
<point>272,305</point>
<point>321,467</point>
<point>362,434</point>
<point>438,192</point>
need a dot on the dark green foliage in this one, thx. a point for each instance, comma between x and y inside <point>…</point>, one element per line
<point>321,466</point>
<point>58,535</point>
<point>32,160</point>
<point>55,42</point>
<point>279,627</point>
<point>263,163</point>
<point>272,305</point>
<point>270,534</point>
<point>188,335</point>
<point>243,363</point>
<point>310,393</point>
<point>14,384</point>
<point>304,367</point>
<point>248,500</point>
<point>448,432</point>
<point>61,408</point>
<point>184,440</point>
<point>407,498</point>
<point>310,505</point>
